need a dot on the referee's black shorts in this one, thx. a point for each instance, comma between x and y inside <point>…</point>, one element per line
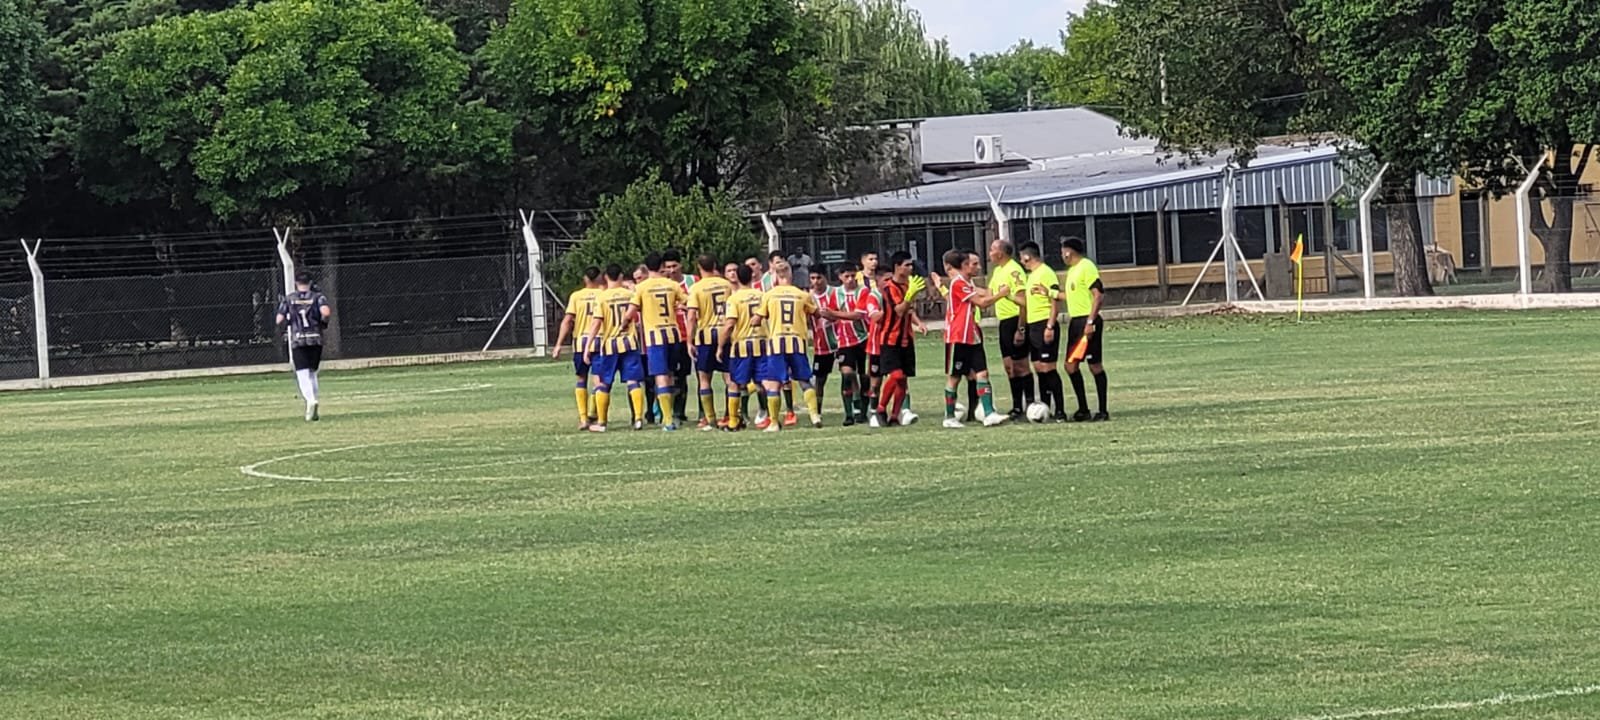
<point>1041,350</point>
<point>306,357</point>
<point>1009,347</point>
<point>681,365</point>
<point>961,360</point>
<point>1075,328</point>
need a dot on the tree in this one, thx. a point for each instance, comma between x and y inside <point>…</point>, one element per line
<point>1086,71</point>
<point>20,118</point>
<point>1014,79</point>
<point>882,65</point>
<point>666,86</point>
<point>284,109</point>
<point>648,216</point>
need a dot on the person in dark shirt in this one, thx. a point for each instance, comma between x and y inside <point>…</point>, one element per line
<point>306,314</point>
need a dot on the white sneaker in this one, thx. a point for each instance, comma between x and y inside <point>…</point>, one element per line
<point>774,427</point>
<point>597,428</point>
<point>953,423</point>
<point>993,419</point>
<point>311,412</point>
<point>907,417</point>
<point>873,421</point>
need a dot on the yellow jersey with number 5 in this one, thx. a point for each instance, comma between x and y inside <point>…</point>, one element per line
<point>747,339</point>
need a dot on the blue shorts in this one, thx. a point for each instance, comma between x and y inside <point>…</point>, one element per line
<point>579,367</point>
<point>607,365</point>
<point>783,367</point>
<point>705,360</point>
<point>672,360</point>
<point>743,369</point>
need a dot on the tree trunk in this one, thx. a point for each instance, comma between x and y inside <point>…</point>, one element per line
<point>1405,245</point>
<point>1555,235</point>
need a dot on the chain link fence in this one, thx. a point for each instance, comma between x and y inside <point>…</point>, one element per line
<point>177,302</point>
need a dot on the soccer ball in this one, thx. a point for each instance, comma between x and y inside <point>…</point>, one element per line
<point>1038,412</point>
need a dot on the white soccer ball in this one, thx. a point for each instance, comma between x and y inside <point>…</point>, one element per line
<point>1038,412</point>
<point>979,413</point>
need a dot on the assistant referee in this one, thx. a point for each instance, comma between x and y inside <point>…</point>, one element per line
<point>1083,294</point>
<point>1009,281</point>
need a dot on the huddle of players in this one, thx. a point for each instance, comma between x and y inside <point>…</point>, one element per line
<point>754,332</point>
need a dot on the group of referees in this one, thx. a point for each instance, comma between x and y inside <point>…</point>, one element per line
<point>771,336</point>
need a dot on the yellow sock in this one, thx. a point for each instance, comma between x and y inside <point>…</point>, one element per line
<point>733,411</point>
<point>755,390</point>
<point>812,403</point>
<point>602,406</point>
<point>775,409</point>
<point>637,395</point>
<point>708,402</point>
<point>664,399</point>
<point>582,395</point>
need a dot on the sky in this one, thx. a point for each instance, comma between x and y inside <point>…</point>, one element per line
<point>980,26</point>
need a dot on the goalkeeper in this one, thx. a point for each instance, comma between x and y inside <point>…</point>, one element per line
<point>897,349</point>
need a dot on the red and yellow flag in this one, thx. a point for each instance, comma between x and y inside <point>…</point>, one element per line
<point>1299,250</point>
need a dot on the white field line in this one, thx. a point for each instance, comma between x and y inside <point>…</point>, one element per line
<point>141,406</point>
<point>255,470</point>
<point>101,501</point>
<point>1501,699</point>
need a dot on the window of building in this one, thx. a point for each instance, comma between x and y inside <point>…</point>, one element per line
<point>1198,233</point>
<point>1054,230</point>
<point>1113,240</point>
<point>1251,228</point>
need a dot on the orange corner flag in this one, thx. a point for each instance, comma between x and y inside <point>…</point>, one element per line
<point>1299,250</point>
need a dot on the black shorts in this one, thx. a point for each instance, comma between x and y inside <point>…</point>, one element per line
<point>822,363</point>
<point>681,366</point>
<point>1009,347</point>
<point>892,358</point>
<point>1075,327</point>
<point>963,360</point>
<point>875,365</point>
<point>306,357</point>
<point>853,357</point>
<point>1039,349</point>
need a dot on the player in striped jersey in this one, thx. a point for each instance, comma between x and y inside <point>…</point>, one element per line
<point>656,300</point>
<point>845,304</point>
<point>787,313</point>
<point>708,304</point>
<point>897,355</point>
<point>672,269</point>
<point>964,356</point>
<point>743,342</point>
<point>611,346</point>
<point>580,312</point>
<point>824,336</point>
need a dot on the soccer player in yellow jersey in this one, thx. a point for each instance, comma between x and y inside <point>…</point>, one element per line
<point>574,325</point>
<point>708,305</point>
<point>743,341</point>
<point>657,300</point>
<point>787,312</point>
<point>612,346</point>
<point>1083,294</point>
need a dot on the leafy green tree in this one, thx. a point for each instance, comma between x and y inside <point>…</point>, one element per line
<point>284,109</point>
<point>1014,79</point>
<point>1087,70</point>
<point>649,216</point>
<point>20,118</point>
<point>883,66</point>
<point>669,85</point>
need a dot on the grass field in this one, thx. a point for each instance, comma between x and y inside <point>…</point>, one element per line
<point>1365,513</point>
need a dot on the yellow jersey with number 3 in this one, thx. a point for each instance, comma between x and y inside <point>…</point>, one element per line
<point>747,340</point>
<point>787,312</point>
<point>709,298</point>
<point>658,300</point>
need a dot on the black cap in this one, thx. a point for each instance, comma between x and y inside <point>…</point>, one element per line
<point>303,278</point>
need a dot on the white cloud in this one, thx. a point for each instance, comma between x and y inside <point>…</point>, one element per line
<point>980,26</point>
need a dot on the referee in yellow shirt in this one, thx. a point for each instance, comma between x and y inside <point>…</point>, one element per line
<point>1009,281</point>
<point>1083,294</point>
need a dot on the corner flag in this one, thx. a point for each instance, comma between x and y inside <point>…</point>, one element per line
<point>1299,250</point>
<point>1295,257</point>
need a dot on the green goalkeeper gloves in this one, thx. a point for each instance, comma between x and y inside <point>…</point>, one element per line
<point>915,287</point>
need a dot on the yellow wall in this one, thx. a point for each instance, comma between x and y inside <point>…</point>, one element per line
<point>1502,225</point>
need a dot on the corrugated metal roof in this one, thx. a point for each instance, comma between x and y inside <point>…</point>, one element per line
<point>1037,134</point>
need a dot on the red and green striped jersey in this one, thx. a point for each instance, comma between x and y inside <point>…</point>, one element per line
<point>824,332</point>
<point>851,332</point>
<point>960,316</point>
<point>872,303</point>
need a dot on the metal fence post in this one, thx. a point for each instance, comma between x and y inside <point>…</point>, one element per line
<point>1002,222</point>
<point>287,261</point>
<point>536,287</point>
<point>1524,263</point>
<point>41,329</point>
<point>1368,279</point>
<point>774,240</point>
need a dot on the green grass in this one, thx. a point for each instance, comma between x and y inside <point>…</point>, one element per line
<point>1362,512</point>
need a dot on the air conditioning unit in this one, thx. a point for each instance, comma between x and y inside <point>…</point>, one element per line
<point>987,149</point>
